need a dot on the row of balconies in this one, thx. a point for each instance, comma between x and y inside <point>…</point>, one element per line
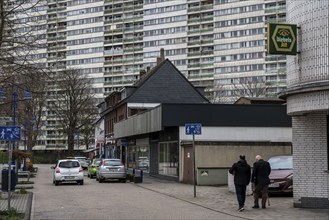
<point>55,1</point>
<point>119,40</point>
<point>56,58</point>
<point>116,1</point>
<point>107,73</point>
<point>202,76</point>
<point>275,58</point>
<point>202,19</point>
<point>57,9</point>
<point>56,146</point>
<point>55,19</point>
<point>275,20</point>
<point>200,42</point>
<point>276,70</point>
<point>123,19</point>
<point>54,29</point>
<point>56,48</point>
<point>123,61</point>
<point>131,29</point>
<point>276,9</point>
<point>123,9</point>
<point>199,30</point>
<point>56,38</point>
<point>203,53</point>
<point>200,8</point>
<point>200,64</point>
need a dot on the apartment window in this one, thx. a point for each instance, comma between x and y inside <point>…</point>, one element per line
<point>242,68</point>
<point>81,2</point>
<point>85,51</point>
<point>240,33</point>
<point>85,21</point>
<point>85,41</point>
<point>86,61</point>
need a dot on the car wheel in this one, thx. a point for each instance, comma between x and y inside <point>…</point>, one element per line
<point>88,175</point>
<point>100,180</point>
<point>56,183</point>
<point>81,182</point>
<point>124,180</point>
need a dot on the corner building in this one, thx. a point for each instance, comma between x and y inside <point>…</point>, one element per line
<point>308,102</point>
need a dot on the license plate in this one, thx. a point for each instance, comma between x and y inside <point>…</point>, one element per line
<point>69,177</point>
<point>113,169</point>
<point>274,185</point>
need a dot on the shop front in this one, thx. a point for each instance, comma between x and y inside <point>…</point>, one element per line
<point>169,158</point>
<point>138,154</point>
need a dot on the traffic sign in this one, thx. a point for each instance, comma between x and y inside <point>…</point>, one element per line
<point>10,133</point>
<point>192,129</point>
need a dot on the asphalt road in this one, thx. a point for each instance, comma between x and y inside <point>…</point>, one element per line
<point>110,200</point>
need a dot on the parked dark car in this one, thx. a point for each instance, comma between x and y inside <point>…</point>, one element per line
<point>281,176</point>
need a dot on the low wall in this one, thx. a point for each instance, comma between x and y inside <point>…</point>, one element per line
<point>211,176</point>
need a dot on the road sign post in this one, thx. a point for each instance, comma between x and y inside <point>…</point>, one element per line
<point>193,129</point>
<point>10,133</point>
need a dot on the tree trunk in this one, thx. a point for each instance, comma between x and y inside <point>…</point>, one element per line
<point>70,142</point>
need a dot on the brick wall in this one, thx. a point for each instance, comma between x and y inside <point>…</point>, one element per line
<point>311,183</point>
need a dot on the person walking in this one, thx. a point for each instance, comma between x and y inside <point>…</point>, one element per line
<point>242,172</point>
<point>260,179</point>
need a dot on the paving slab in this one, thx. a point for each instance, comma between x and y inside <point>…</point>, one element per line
<point>220,199</point>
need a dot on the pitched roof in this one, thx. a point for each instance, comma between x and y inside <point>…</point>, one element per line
<point>165,84</point>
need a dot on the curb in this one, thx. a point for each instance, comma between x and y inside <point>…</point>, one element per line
<point>28,207</point>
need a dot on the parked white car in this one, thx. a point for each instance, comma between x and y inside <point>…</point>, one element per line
<point>67,170</point>
<point>111,169</point>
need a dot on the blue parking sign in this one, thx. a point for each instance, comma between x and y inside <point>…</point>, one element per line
<point>191,129</point>
<point>10,133</point>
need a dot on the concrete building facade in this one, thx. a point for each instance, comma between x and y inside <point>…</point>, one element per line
<point>308,102</point>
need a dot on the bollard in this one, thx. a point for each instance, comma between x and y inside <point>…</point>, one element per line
<point>142,175</point>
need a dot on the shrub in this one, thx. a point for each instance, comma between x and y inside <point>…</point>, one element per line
<point>11,214</point>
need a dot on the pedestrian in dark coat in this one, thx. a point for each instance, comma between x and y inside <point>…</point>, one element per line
<point>260,179</point>
<point>242,172</point>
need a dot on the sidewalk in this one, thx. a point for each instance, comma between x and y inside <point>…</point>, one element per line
<point>21,202</point>
<point>219,199</point>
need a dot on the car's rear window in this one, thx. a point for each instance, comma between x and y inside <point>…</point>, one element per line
<point>98,162</point>
<point>112,163</point>
<point>68,164</point>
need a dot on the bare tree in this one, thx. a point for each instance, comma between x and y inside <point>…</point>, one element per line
<point>31,118</point>
<point>219,94</point>
<point>250,87</point>
<point>21,38</point>
<point>28,113</point>
<point>75,104</point>
<point>20,34</point>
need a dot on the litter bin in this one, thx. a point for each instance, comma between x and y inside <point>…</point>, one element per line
<point>4,186</point>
